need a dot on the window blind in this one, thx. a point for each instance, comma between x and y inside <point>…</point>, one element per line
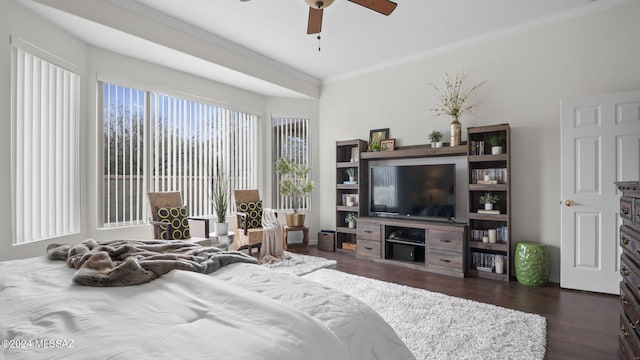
<point>46,146</point>
<point>291,139</point>
<point>171,144</point>
<point>124,162</point>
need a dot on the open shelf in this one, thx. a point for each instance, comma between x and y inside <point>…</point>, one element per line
<point>497,168</point>
<point>346,164</point>
<point>405,242</point>
<point>347,208</point>
<point>488,275</point>
<point>345,230</point>
<point>488,217</point>
<point>489,246</point>
<point>483,158</point>
<point>349,156</point>
<point>416,151</point>
<point>488,187</point>
<point>347,186</point>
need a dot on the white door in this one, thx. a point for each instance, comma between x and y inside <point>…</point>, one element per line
<point>600,144</point>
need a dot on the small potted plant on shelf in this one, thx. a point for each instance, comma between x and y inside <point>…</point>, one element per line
<point>496,144</point>
<point>488,199</point>
<point>351,220</point>
<point>351,173</point>
<point>436,139</point>
<point>295,183</point>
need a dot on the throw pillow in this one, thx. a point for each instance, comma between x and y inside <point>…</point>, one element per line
<point>253,209</point>
<point>178,218</point>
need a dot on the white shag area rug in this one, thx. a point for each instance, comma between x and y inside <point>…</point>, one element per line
<point>438,326</point>
<point>299,264</point>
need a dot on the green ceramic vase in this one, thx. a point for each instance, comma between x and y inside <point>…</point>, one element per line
<point>532,263</point>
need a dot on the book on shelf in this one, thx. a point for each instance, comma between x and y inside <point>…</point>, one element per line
<point>350,182</point>
<point>476,147</point>
<point>486,261</point>
<point>483,211</point>
<point>502,234</point>
<point>489,176</point>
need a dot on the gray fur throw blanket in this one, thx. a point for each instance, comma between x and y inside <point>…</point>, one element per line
<point>133,262</point>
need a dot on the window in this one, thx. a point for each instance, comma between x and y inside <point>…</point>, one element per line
<point>45,136</point>
<point>291,139</point>
<point>123,134</point>
<point>158,142</point>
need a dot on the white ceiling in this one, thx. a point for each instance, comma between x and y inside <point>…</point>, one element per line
<point>354,39</point>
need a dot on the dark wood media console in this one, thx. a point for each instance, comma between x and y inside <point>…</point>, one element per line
<point>424,245</point>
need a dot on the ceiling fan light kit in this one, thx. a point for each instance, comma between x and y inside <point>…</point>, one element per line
<point>319,4</point>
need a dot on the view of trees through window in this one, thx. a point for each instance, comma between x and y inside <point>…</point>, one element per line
<point>157,142</point>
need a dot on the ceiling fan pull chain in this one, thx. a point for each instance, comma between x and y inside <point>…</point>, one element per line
<point>318,43</point>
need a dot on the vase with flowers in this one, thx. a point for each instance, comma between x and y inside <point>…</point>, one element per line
<point>453,100</point>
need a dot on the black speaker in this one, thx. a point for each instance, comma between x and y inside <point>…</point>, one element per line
<point>404,252</point>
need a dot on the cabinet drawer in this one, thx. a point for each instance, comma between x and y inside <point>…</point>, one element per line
<point>368,230</point>
<point>368,248</point>
<point>630,304</point>
<point>630,242</point>
<point>625,348</point>
<point>445,240</point>
<point>629,334</point>
<point>448,259</point>
<point>630,274</point>
<point>628,209</point>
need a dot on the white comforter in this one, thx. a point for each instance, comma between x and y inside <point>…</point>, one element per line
<point>242,311</point>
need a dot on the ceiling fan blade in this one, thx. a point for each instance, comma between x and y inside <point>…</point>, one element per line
<point>384,7</point>
<point>314,25</point>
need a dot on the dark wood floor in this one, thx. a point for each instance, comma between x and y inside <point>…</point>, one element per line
<point>580,325</point>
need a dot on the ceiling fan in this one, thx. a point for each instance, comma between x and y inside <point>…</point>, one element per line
<point>316,8</point>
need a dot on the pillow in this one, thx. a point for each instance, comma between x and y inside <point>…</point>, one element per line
<point>177,217</point>
<point>253,209</point>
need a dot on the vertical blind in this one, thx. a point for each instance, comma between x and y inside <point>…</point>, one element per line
<point>124,187</point>
<point>46,147</point>
<point>290,139</point>
<point>193,139</point>
<point>185,141</point>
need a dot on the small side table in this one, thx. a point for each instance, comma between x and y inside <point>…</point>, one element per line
<point>222,242</point>
<point>532,263</point>
<point>302,248</point>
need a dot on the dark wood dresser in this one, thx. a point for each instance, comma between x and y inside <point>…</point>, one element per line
<point>629,333</point>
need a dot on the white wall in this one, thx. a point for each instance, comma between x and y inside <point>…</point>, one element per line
<point>93,62</point>
<point>527,74</point>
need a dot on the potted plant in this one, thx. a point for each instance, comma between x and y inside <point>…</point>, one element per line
<point>488,199</point>
<point>220,198</point>
<point>351,173</point>
<point>496,144</point>
<point>350,218</point>
<point>435,137</point>
<point>453,101</point>
<point>295,183</point>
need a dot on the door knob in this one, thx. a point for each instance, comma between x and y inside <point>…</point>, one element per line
<point>569,203</point>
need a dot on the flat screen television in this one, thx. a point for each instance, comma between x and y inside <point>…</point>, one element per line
<point>417,191</point>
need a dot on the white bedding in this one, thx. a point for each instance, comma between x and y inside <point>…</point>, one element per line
<point>241,311</point>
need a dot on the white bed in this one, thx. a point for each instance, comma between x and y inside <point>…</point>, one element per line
<point>242,311</point>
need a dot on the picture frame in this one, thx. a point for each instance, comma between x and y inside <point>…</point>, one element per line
<point>355,154</point>
<point>376,136</point>
<point>388,145</point>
